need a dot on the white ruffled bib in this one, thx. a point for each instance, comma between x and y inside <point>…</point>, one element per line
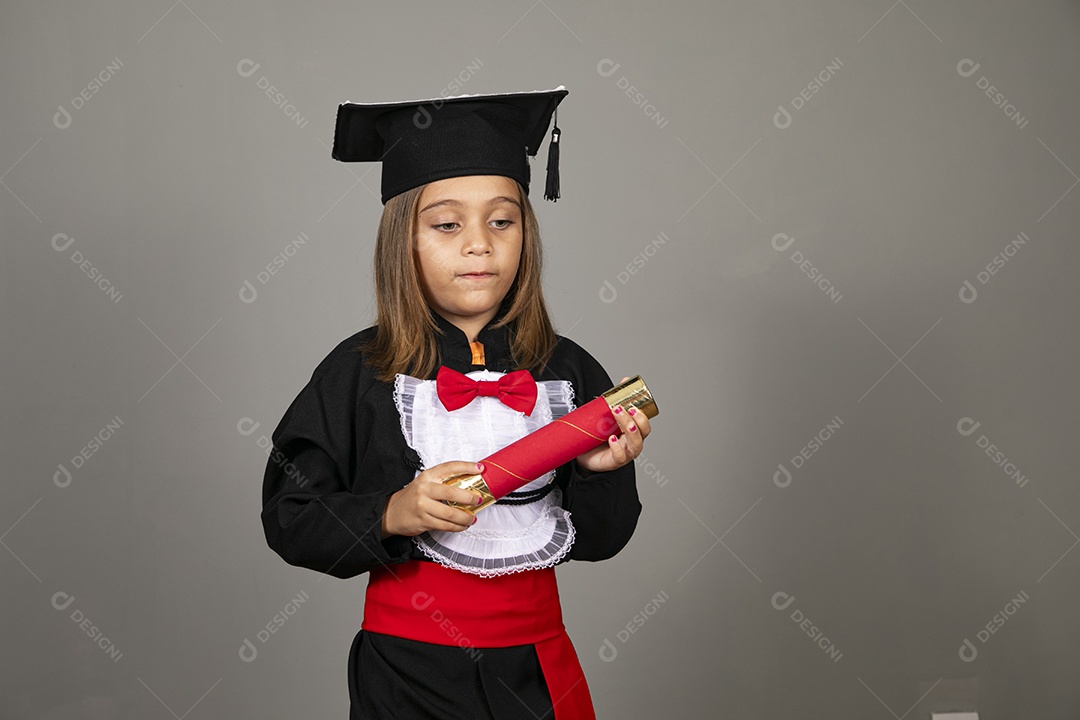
<point>506,538</point>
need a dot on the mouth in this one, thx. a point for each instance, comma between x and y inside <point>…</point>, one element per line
<point>477,276</point>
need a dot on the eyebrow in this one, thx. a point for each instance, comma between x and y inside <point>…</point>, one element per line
<point>493,201</point>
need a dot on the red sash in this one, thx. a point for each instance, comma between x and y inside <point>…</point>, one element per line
<point>425,601</point>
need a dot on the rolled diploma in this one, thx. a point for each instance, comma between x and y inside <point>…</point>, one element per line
<point>556,443</point>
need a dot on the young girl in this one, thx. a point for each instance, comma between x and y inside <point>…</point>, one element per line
<point>461,615</point>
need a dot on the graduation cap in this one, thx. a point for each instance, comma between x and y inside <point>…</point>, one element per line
<point>422,141</point>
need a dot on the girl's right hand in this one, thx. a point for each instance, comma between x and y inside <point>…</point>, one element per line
<point>419,505</point>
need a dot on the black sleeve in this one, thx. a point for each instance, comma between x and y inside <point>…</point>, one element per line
<point>316,513</point>
<point>604,507</point>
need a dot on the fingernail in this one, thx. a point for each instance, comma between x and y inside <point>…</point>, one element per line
<point>633,411</point>
<point>633,428</point>
<point>613,439</point>
<point>618,409</point>
<point>479,499</point>
<point>480,467</point>
<point>474,520</point>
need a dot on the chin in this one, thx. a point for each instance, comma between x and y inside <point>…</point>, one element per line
<point>474,309</point>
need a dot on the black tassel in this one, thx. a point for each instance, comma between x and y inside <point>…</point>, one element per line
<point>551,189</point>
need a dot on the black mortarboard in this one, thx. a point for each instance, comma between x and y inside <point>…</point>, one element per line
<point>422,141</point>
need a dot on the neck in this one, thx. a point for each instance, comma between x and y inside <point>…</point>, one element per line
<point>471,325</point>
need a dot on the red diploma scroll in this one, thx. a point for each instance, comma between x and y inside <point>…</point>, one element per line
<point>558,442</point>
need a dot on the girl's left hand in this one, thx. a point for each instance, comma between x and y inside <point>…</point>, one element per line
<point>624,448</point>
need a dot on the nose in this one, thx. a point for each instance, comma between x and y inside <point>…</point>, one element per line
<point>476,240</point>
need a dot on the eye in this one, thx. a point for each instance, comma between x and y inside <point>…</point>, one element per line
<point>507,221</point>
<point>444,226</point>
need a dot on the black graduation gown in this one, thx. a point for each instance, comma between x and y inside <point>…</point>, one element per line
<point>339,453</point>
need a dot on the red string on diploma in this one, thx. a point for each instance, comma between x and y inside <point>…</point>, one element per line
<point>558,442</point>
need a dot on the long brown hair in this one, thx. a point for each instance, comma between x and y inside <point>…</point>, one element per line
<point>405,335</point>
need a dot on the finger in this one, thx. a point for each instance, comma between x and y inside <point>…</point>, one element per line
<point>624,422</point>
<point>450,493</point>
<point>631,443</point>
<point>444,525</point>
<point>446,517</point>
<point>633,439</point>
<point>440,472</point>
<point>622,417</point>
<point>618,450</point>
<point>640,423</point>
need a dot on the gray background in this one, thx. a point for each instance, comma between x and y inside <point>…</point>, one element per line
<point>900,539</point>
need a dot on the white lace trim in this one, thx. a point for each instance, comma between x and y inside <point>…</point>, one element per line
<point>505,538</point>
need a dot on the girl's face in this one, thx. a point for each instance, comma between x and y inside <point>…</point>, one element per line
<point>468,246</point>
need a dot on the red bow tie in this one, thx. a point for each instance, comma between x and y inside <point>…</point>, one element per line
<point>516,390</point>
